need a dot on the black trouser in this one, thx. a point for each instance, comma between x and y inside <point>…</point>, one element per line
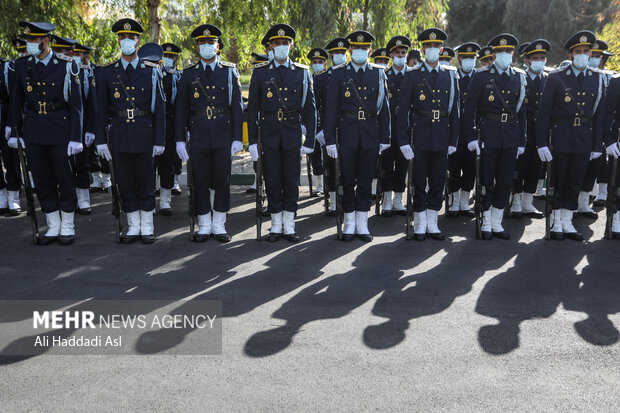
<point>603,174</point>
<point>81,168</point>
<point>316,159</point>
<point>498,166</point>
<point>395,166</point>
<point>529,166</point>
<point>592,171</point>
<point>211,171</point>
<point>358,168</point>
<point>568,171</point>
<point>97,163</point>
<point>281,169</point>
<point>462,167</point>
<point>431,167</point>
<point>53,177</point>
<point>165,164</point>
<point>136,180</point>
<point>10,161</point>
<point>329,171</point>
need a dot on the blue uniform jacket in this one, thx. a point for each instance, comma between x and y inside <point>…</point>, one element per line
<point>483,100</point>
<point>170,81</point>
<point>464,82</point>
<point>321,81</point>
<point>296,91</point>
<point>342,107</point>
<point>224,92</point>
<point>89,97</point>
<point>612,112</point>
<point>130,135</point>
<point>557,111</point>
<point>532,100</point>
<point>45,87</point>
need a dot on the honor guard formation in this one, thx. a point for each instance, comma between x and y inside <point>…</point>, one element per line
<point>394,124</point>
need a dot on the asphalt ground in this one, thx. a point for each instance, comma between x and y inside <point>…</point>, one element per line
<point>323,325</point>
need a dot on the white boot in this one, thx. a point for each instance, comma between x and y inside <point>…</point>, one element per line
<point>431,225</point>
<point>567,220</point>
<point>496,220</point>
<point>53,224</point>
<point>14,205</point>
<point>165,198</point>
<point>83,198</point>
<point>615,224</point>
<point>146,223</point>
<point>276,223</point>
<point>107,181</point>
<point>67,228</point>
<point>361,226</point>
<point>454,200</point>
<point>204,224</point>
<point>397,203</point>
<point>133,222</point>
<point>4,199</point>
<point>528,205</point>
<point>487,221</point>
<point>556,220</point>
<point>219,228</point>
<point>97,182</point>
<point>540,188</point>
<point>176,189</point>
<point>464,200</point>
<point>319,184</point>
<point>516,207</point>
<point>419,222</point>
<point>332,201</point>
<point>348,226</point>
<point>387,201</point>
<point>288,222</point>
<point>583,204</point>
<point>602,193</point>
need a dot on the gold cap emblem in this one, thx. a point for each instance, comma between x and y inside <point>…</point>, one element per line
<point>281,32</point>
<point>432,36</point>
<point>383,53</point>
<point>127,26</point>
<point>340,44</point>
<point>445,53</point>
<point>469,49</point>
<point>398,42</point>
<point>538,46</point>
<point>207,32</point>
<point>503,41</point>
<point>360,38</point>
<point>317,53</point>
<point>595,46</point>
<point>583,39</point>
<point>27,30</point>
<point>168,49</point>
<point>487,52</point>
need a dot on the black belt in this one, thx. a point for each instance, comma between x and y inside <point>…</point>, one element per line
<point>359,115</point>
<point>434,114</point>
<point>501,116</point>
<point>210,112</point>
<point>131,113</point>
<point>44,107</point>
<point>281,114</point>
<point>576,121</point>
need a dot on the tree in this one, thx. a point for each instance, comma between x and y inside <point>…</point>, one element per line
<point>611,35</point>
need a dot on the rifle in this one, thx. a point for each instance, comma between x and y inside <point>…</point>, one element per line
<point>612,194</point>
<point>380,179</point>
<point>326,178</point>
<point>260,190</point>
<point>549,194</point>
<point>32,211</point>
<point>480,190</point>
<point>339,191</point>
<point>117,207</point>
<point>309,171</point>
<point>191,197</point>
<point>410,192</point>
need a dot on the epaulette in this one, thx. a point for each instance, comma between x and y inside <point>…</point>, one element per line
<point>63,57</point>
<point>338,66</point>
<point>227,64</point>
<point>191,65</point>
<point>299,65</point>
<point>321,72</point>
<point>520,71</point>
<point>607,72</point>
<point>262,64</point>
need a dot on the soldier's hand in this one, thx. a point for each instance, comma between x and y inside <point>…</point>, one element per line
<point>12,143</point>
<point>451,150</point>
<point>332,151</point>
<point>545,154</point>
<point>89,138</point>
<point>305,150</point>
<point>182,151</point>
<point>613,150</point>
<point>473,146</point>
<point>254,152</point>
<point>104,152</point>
<point>321,138</point>
<point>158,150</point>
<point>383,146</point>
<point>407,151</point>
<point>595,155</point>
<point>7,133</point>
<point>74,148</point>
<point>520,151</point>
<point>236,146</point>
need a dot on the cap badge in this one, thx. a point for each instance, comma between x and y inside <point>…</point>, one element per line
<point>398,42</point>
<point>127,26</point>
<point>469,49</point>
<point>340,44</point>
<point>281,32</point>
<point>360,38</point>
<point>583,39</point>
<point>503,42</point>
<point>432,36</point>
<point>27,30</point>
<point>207,32</point>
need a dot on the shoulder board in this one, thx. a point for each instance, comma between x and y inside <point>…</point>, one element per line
<point>61,57</point>
<point>109,63</point>
<point>520,71</point>
<point>301,66</point>
<point>607,72</point>
<point>449,67</point>
<point>263,64</point>
<point>227,64</point>
<point>338,66</point>
<point>191,66</point>
<point>321,72</point>
<point>24,57</point>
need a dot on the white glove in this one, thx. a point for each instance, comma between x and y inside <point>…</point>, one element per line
<point>451,150</point>
<point>74,148</point>
<point>89,138</point>
<point>304,131</point>
<point>473,146</point>
<point>158,150</point>
<point>520,151</point>
<point>254,152</point>
<point>613,150</point>
<point>332,151</point>
<point>182,151</point>
<point>383,146</point>
<point>7,132</point>
<point>187,137</point>
<point>321,138</point>
<point>104,152</point>
<point>236,146</point>
<point>305,150</point>
<point>407,151</point>
<point>595,155</point>
<point>545,154</point>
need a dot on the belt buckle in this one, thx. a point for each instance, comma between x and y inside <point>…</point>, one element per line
<point>209,112</point>
<point>361,115</point>
<point>42,108</point>
<point>504,118</point>
<point>435,114</point>
<point>577,122</point>
<point>130,113</point>
<point>280,115</point>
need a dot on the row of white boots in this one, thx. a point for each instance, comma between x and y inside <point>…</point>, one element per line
<point>60,223</point>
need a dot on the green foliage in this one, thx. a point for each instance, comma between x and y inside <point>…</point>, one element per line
<point>611,34</point>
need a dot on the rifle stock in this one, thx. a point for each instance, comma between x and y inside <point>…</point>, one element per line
<point>339,191</point>
<point>410,193</point>
<point>191,206</point>
<point>549,194</point>
<point>259,188</point>
<point>117,207</point>
<point>479,193</point>
<point>32,211</point>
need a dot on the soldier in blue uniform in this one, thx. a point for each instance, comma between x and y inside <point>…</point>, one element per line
<point>611,127</point>
<point>394,163</point>
<point>486,56</point>
<point>461,164</point>
<point>281,100</point>
<point>357,118</point>
<point>337,52</point>
<point>570,110</point>
<point>529,165</point>
<point>130,104</point>
<point>429,107</point>
<point>521,52</point>
<point>318,63</point>
<point>446,56</point>
<point>380,57</point>
<point>46,104</point>
<point>209,106</point>
<point>495,99</point>
<point>165,163</point>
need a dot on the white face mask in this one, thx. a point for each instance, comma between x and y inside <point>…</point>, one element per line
<point>339,59</point>
<point>432,54</point>
<point>594,61</point>
<point>444,62</point>
<point>317,67</point>
<point>128,47</point>
<point>399,61</point>
<point>467,65</point>
<point>33,49</point>
<point>537,66</point>
<point>580,61</point>
<point>281,52</point>
<point>383,65</point>
<point>168,63</point>
<point>270,54</point>
<point>78,60</point>
<point>503,60</point>
<point>359,56</point>
<point>207,51</point>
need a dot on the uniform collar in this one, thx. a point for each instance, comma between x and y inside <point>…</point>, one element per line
<point>134,62</point>
<point>402,71</point>
<point>46,60</point>
<point>501,72</point>
<point>533,75</point>
<point>431,69</point>
<point>355,66</point>
<point>463,74</point>
<point>287,63</point>
<point>212,64</point>
<point>577,71</point>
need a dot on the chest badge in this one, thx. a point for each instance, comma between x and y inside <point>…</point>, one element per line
<point>117,95</point>
<point>491,98</point>
<point>29,88</point>
<point>347,94</point>
<point>196,95</point>
<point>526,100</point>
<point>269,94</point>
<point>567,99</point>
<point>422,96</point>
